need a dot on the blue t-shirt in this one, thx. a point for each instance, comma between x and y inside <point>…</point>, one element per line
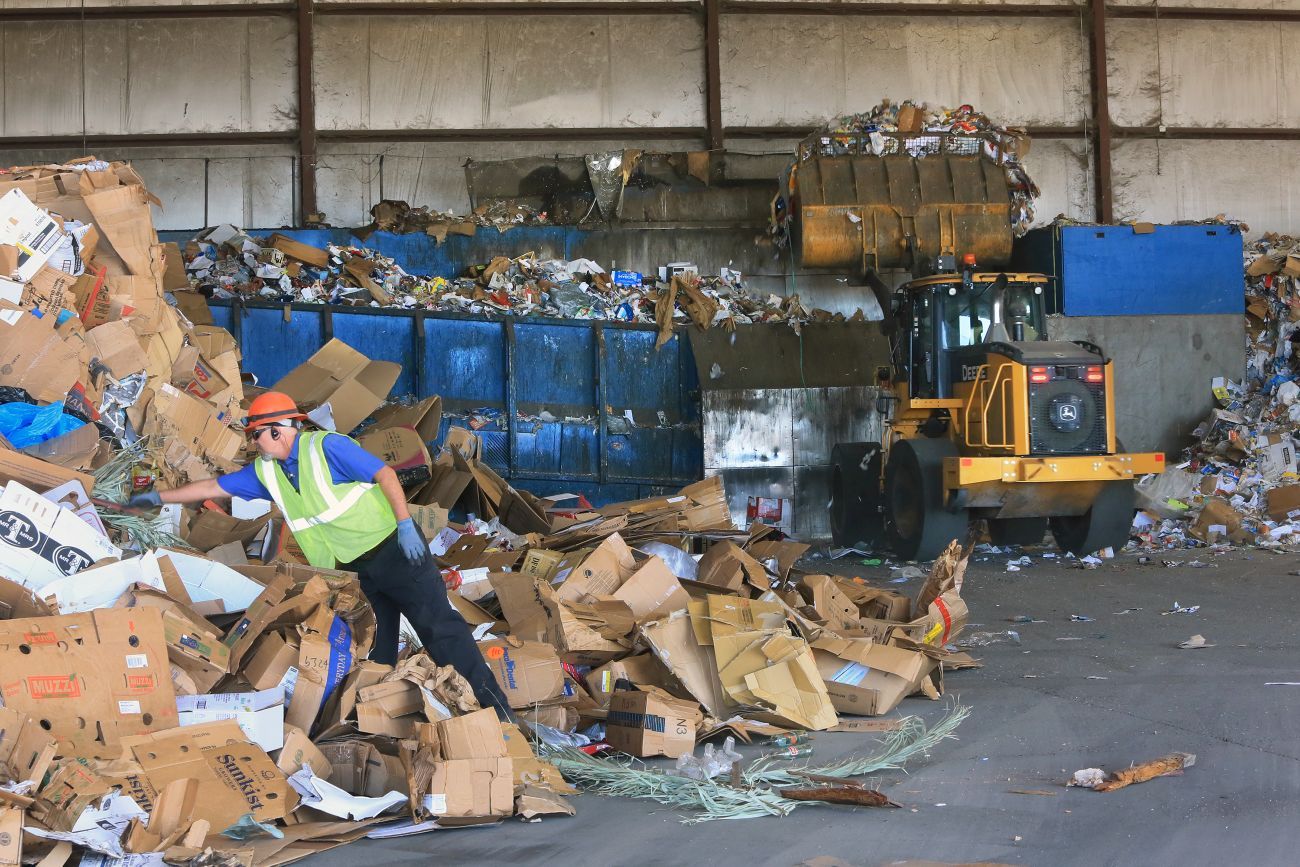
<point>348,462</point>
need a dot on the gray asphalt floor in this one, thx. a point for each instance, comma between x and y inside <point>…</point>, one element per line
<point>1105,693</point>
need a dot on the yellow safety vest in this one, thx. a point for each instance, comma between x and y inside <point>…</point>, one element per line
<point>333,523</point>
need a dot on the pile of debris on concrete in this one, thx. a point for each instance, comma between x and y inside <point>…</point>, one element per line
<point>184,688</point>
<point>226,263</point>
<point>1240,482</point>
<point>399,218</point>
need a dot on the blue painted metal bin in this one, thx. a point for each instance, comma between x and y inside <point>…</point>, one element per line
<point>1140,270</point>
<point>596,409</point>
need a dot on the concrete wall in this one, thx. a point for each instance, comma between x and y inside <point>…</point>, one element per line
<point>1163,369</point>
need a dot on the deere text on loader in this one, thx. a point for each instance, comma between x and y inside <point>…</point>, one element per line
<point>982,415</point>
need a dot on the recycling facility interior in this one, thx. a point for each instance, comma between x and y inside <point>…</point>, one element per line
<point>549,142</point>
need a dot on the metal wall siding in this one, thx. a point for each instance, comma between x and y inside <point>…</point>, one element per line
<point>464,361</point>
<point>277,346</point>
<point>383,338</point>
<point>492,372</point>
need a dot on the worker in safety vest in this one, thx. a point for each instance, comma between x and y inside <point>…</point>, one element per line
<point>346,510</point>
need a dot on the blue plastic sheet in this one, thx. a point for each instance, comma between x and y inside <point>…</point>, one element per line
<point>26,425</point>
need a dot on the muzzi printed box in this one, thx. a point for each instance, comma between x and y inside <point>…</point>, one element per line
<point>92,679</point>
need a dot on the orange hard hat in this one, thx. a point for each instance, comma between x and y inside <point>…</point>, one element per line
<point>270,408</point>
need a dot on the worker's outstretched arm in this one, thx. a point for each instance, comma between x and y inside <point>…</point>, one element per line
<point>195,492</point>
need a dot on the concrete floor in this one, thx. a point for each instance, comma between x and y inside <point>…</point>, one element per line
<point>1037,717</point>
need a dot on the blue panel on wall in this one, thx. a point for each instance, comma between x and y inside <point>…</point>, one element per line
<point>383,338</point>
<point>647,380</point>
<point>555,369</point>
<point>1117,271</point>
<point>465,362</point>
<point>271,346</point>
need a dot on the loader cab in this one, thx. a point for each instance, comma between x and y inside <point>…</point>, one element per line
<point>947,320</point>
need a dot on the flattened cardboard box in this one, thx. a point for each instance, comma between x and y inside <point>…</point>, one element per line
<point>339,375</point>
<point>476,735</point>
<point>41,542</point>
<point>94,678</point>
<point>867,678</point>
<point>35,357</point>
<point>234,776</point>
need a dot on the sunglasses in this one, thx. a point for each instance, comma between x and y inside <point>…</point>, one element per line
<point>254,435</point>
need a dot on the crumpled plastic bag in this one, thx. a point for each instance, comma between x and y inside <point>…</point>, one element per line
<point>26,425</point>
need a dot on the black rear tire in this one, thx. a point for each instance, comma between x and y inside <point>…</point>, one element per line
<point>1106,524</point>
<point>918,522</point>
<point>855,494</point>
<point>1017,531</point>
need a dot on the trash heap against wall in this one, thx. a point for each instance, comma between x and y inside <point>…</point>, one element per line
<point>184,688</point>
<point>1239,483</point>
<point>225,263</point>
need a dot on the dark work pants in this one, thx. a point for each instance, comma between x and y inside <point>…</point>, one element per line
<point>394,587</point>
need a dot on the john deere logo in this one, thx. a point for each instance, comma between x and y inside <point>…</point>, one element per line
<point>17,530</point>
<point>1068,412</point>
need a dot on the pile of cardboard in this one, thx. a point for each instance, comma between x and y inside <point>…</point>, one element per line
<point>212,701</point>
<point>1240,482</point>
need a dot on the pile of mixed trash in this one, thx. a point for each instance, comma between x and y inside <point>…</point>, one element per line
<point>1240,482</point>
<point>184,688</point>
<point>399,218</point>
<point>226,263</point>
<point>918,131</point>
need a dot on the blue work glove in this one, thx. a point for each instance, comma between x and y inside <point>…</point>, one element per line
<point>413,545</point>
<point>149,500</point>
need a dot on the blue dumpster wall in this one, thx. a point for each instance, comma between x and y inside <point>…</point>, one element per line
<point>597,410</point>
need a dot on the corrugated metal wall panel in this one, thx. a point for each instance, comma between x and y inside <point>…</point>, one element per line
<point>155,76</point>
<point>1031,71</point>
<point>520,71</point>
<point>1204,73</point>
<point>1168,181</point>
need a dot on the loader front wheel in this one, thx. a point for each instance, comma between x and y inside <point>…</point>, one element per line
<point>918,522</point>
<point>1106,524</point>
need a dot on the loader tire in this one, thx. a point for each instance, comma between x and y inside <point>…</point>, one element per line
<point>855,494</point>
<point>1106,524</point>
<point>1017,531</point>
<point>918,523</point>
